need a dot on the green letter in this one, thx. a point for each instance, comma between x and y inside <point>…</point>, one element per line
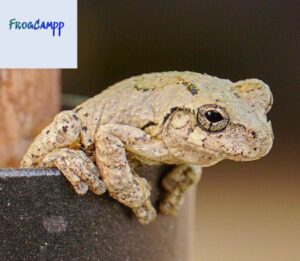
<point>11,22</point>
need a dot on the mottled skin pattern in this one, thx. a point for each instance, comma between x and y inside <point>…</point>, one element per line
<point>187,119</point>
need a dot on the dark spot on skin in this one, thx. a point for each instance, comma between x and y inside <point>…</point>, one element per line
<point>237,95</point>
<point>217,100</point>
<point>253,133</point>
<point>204,139</point>
<point>84,128</point>
<point>190,130</point>
<point>192,88</point>
<point>78,109</point>
<point>255,148</point>
<point>140,88</point>
<point>86,114</point>
<point>254,89</point>
<point>65,129</point>
<point>148,124</point>
<point>75,117</point>
<point>47,132</point>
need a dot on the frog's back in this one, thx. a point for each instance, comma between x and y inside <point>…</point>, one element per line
<point>141,99</point>
<point>157,80</point>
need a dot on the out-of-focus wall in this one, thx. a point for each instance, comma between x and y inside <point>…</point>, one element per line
<point>250,211</point>
<point>246,211</point>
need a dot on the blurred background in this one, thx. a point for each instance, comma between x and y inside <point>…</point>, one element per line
<point>245,211</point>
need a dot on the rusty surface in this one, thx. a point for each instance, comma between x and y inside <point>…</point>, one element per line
<point>28,101</point>
<point>41,218</point>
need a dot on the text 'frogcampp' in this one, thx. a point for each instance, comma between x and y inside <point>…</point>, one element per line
<point>55,26</point>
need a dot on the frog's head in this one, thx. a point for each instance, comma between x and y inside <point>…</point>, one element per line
<point>225,121</point>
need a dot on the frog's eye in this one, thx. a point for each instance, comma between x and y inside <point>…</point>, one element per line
<point>212,117</point>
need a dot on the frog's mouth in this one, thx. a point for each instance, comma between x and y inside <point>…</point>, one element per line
<point>213,155</point>
<point>239,156</point>
<point>250,147</point>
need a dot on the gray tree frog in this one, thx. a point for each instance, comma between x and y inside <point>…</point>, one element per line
<point>186,119</point>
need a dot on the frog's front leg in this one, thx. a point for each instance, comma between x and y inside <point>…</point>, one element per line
<point>176,183</point>
<point>80,171</point>
<point>64,131</point>
<point>112,142</point>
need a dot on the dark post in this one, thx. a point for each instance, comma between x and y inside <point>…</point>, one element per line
<point>41,218</point>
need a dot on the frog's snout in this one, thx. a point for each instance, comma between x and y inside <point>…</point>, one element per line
<point>262,142</point>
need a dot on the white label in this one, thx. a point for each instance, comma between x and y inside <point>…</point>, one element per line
<point>38,34</point>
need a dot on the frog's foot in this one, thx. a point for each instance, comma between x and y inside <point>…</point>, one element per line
<point>176,183</point>
<point>77,168</point>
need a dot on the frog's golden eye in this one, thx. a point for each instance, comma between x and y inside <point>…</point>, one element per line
<point>212,117</point>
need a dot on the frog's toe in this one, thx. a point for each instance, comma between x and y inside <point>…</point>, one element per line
<point>172,204</point>
<point>167,208</point>
<point>81,188</point>
<point>146,213</point>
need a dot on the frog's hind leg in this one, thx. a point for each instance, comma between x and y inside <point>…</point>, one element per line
<point>64,131</point>
<point>77,168</point>
<point>176,183</point>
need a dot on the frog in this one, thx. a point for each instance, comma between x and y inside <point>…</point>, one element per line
<point>181,118</point>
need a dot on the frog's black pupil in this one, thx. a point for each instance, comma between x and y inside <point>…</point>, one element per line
<point>213,116</point>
